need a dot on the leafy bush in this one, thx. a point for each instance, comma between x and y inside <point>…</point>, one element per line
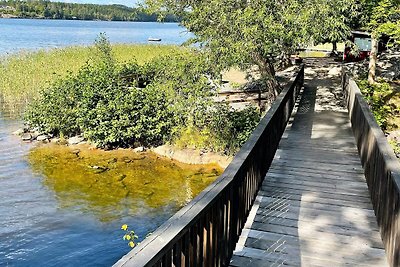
<point>120,105</point>
<point>102,102</point>
<point>377,96</point>
<point>222,130</point>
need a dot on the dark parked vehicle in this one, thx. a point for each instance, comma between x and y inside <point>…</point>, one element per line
<point>361,44</point>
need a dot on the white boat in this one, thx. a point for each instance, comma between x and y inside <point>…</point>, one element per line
<point>154,39</point>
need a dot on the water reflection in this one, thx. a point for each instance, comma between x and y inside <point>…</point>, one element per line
<point>110,183</point>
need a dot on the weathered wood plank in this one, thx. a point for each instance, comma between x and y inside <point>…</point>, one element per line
<point>315,197</point>
<point>320,183</point>
<point>309,173</point>
<point>321,166</point>
<point>349,192</point>
<point>276,190</point>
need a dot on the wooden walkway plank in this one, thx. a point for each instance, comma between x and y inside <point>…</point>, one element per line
<point>313,208</point>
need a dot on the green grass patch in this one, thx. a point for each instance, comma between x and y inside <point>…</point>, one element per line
<point>24,75</point>
<point>328,46</point>
<point>305,54</point>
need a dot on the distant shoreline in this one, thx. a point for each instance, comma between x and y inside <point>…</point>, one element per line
<point>7,16</point>
<point>78,11</point>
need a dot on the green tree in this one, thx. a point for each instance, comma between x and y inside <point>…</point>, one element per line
<point>246,33</point>
<point>331,20</point>
<point>382,18</point>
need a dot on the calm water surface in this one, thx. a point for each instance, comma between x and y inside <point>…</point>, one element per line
<point>32,34</point>
<point>48,219</point>
<point>58,211</point>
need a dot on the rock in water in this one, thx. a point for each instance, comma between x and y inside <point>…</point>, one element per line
<point>43,137</point>
<point>19,132</point>
<point>26,137</point>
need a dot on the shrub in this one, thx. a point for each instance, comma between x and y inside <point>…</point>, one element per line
<point>222,129</point>
<point>119,105</point>
<point>378,96</point>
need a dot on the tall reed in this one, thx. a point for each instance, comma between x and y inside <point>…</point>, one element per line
<point>24,74</point>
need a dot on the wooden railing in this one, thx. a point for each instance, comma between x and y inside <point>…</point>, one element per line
<point>205,232</point>
<point>381,168</point>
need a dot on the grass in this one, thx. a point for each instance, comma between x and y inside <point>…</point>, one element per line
<point>305,54</point>
<point>23,75</point>
<point>321,50</point>
<point>328,47</point>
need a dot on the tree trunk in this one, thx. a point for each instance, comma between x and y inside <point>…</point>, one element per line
<point>372,61</point>
<point>334,46</point>
<point>267,74</point>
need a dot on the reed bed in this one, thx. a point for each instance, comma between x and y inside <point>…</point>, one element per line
<point>24,74</point>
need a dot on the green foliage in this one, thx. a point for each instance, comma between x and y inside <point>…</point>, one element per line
<point>330,20</point>
<point>58,10</point>
<point>245,33</point>
<point>376,96</point>
<point>223,130</point>
<point>119,105</point>
<point>23,76</point>
<point>395,146</point>
<point>232,128</point>
<point>99,103</point>
<point>382,18</point>
<point>129,236</point>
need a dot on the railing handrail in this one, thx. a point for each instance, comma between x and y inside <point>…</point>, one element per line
<point>152,250</point>
<point>381,168</point>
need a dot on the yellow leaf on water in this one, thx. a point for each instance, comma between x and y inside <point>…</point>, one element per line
<point>131,244</point>
<point>124,227</point>
<point>128,237</point>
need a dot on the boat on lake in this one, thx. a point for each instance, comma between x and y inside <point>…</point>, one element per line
<point>154,39</point>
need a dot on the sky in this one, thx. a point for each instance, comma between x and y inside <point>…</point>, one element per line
<point>129,3</point>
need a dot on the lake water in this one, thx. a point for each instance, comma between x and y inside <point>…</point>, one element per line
<point>49,216</point>
<point>57,210</point>
<point>32,34</point>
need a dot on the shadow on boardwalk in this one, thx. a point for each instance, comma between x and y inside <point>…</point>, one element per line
<point>313,208</point>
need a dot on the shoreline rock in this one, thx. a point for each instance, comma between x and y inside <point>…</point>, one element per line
<point>186,155</point>
<point>192,156</point>
<point>75,140</point>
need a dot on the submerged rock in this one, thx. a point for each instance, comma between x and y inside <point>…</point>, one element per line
<point>99,169</point>
<point>76,152</point>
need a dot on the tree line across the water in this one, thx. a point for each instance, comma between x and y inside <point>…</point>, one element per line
<point>58,10</point>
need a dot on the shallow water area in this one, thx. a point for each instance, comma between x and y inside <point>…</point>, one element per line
<point>110,183</point>
<point>64,206</point>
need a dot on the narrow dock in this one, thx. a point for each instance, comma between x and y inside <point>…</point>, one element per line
<point>313,208</point>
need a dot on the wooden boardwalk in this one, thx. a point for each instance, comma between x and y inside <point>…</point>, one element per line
<point>313,208</point>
